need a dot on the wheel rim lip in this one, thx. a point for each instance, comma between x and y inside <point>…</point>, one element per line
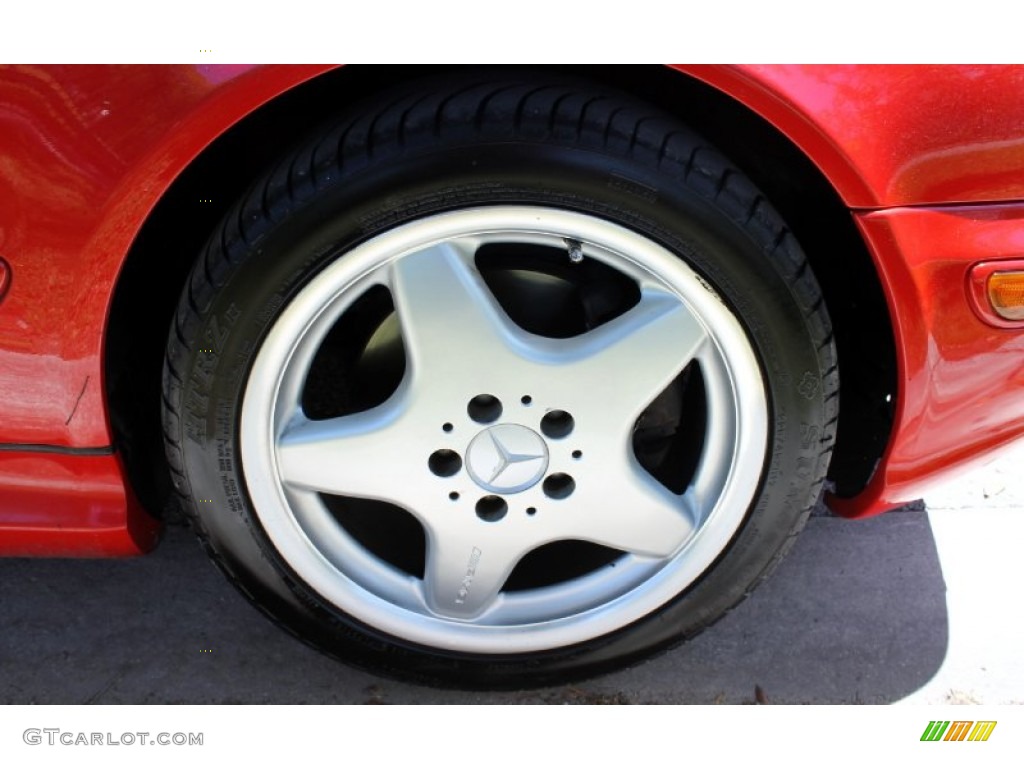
<point>657,583</point>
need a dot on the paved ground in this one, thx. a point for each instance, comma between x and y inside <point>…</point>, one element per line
<point>920,605</point>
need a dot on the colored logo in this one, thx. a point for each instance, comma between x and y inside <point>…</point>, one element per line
<point>958,730</point>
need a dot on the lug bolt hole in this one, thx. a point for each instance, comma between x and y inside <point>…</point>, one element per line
<point>444,463</point>
<point>483,409</point>
<point>577,454</point>
<point>526,400</point>
<point>531,510</point>
<point>491,508</point>
<point>557,424</point>
<point>559,485</point>
<point>447,426</point>
<point>454,495</point>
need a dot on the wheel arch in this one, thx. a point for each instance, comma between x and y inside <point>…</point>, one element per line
<point>155,268</point>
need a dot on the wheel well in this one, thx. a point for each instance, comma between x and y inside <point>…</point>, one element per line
<point>825,228</point>
<point>158,263</point>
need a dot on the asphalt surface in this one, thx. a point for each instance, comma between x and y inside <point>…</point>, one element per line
<point>919,605</point>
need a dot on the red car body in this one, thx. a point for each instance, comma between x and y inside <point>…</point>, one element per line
<point>928,161</point>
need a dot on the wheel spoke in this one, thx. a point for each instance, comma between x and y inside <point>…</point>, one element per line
<point>451,323</point>
<point>628,361</point>
<point>467,566</point>
<point>631,511</point>
<point>349,455</point>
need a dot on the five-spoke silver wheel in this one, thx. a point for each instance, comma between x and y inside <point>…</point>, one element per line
<point>500,441</point>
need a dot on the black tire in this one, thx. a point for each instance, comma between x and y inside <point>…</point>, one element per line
<point>475,142</point>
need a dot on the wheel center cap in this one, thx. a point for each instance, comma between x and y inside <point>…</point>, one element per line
<point>507,458</point>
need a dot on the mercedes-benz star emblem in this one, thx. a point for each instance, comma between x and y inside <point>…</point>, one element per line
<point>507,458</point>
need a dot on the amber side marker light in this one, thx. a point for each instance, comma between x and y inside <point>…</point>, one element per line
<point>997,292</point>
<point>1006,294</point>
